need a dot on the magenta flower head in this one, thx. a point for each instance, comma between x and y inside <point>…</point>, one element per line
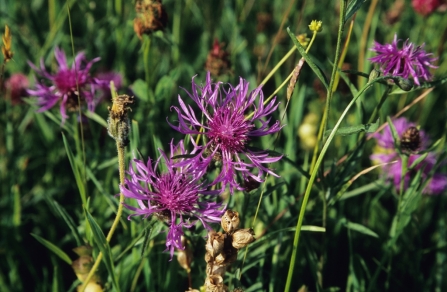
<point>63,86</point>
<point>227,125</point>
<point>410,61</point>
<point>387,154</point>
<point>15,87</point>
<point>178,196</point>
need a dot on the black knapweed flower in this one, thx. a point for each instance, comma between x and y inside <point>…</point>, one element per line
<point>228,127</point>
<point>410,61</point>
<point>175,196</point>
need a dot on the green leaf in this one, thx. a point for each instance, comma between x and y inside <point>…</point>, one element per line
<point>77,174</point>
<point>56,250</point>
<point>67,218</point>
<point>353,7</point>
<point>164,87</point>
<point>359,228</point>
<point>140,89</point>
<point>104,247</point>
<point>309,61</point>
<point>352,88</point>
<point>394,133</point>
<point>346,131</point>
<point>409,204</point>
<point>97,118</point>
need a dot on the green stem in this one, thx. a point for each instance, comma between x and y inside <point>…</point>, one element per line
<point>119,212</point>
<point>312,179</point>
<point>146,50</point>
<point>286,56</point>
<point>379,106</point>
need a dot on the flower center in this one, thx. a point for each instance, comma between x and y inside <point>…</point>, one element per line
<point>228,130</point>
<point>65,80</point>
<point>176,194</point>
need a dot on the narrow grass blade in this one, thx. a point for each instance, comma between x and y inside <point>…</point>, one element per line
<point>309,61</point>
<point>76,172</point>
<point>56,250</point>
<point>104,247</point>
<point>359,228</point>
<point>67,218</point>
<point>352,8</point>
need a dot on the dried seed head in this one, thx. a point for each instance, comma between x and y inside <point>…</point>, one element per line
<point>214,283</point>
<point>242,237</point>
<point>238,290</point>
<point>118,121</point>
<point>410,140</point>
<point>230,221</point>
<point>151,16</point>
<point>215,243</point>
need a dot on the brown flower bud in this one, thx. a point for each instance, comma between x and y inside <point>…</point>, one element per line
<point>242,238</point>
<point>251,184</point>
<point>215,243</point>
<point>217,61</point>
<point>230,221</point>
<point>410,140</point>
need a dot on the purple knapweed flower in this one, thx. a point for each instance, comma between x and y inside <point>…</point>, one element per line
<point>177,196</point>
<point>410,61</point>
<point>228,125</point>
<point>64,85</point>
<point>103,81</point>
<point>388,155</point>
<point>15,87</point>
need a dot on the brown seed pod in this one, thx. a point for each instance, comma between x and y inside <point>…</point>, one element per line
<point>230,221</point>
<point>215,243</point>
<point>214,283</point>
<point>242,238</point>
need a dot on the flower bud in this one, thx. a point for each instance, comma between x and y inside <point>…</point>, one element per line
<point>242,238</point>
<point>230,221</point>
<point>410,140</point>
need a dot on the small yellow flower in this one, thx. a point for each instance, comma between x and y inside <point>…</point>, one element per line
<point>316,26</point>
<point>303,39</point>
<point>6,48</point>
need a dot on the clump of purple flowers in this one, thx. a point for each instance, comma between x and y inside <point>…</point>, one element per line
<point>410,61</point>
<point>230,119</point>
<point>392,171</point>
<point>67,84</point>
<point>179,197</point>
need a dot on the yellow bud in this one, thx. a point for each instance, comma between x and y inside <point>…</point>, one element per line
<point>316,26</point>
<point>303,39</point>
